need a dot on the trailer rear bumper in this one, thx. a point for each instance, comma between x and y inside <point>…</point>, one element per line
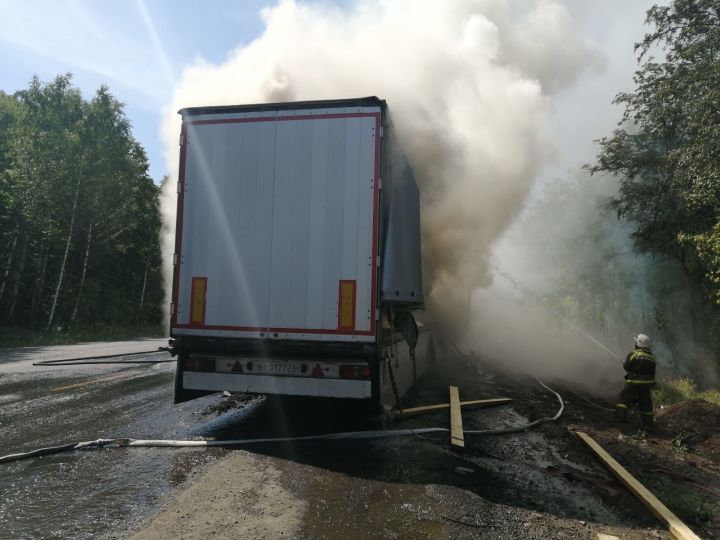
<point>272,384</point>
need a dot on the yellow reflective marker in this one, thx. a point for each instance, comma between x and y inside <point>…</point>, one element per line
<point>197,301</point>
<point>346,313</point>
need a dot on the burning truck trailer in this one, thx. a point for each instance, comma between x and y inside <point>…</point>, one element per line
<point>297,267</point>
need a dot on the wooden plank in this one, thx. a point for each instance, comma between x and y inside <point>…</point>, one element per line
<point>677,528</point>
<point>441,406</point>
<point>457,437</point>
<point>601,536</point>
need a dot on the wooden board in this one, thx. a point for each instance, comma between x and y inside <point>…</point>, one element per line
<point>457,437</point>
<point>677,528</point>
<point>441,406</point>
<point>601,536</point>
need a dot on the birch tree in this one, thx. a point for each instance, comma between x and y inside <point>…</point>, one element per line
<point>79,221</point>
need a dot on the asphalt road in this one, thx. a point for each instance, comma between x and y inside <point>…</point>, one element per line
<point>521,486</point>
<point>86,494</point>
<point>21,359</point>
<point>108,493</point>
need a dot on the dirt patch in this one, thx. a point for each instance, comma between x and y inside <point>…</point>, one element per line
<point>678,462</point>
<point>698,421</point>
<point>229,402</point>
<point>342,506</point>
<point>542,483</point>
<point>238,497</point>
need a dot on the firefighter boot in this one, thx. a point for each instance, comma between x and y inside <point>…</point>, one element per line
<point>621,412</point>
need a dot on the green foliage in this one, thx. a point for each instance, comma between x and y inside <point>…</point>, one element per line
<point>578,261</point>
<point>684,389</point>
<point>681,441</point>
<point>667,152</point>
<point>79,218</point>
<point>688,503</point>
<point>674,391</point>
<point>18,336</point>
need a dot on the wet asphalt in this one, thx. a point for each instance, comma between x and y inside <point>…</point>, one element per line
<point>92,493</point>
<point>105,493</point>
<point>108,493</point>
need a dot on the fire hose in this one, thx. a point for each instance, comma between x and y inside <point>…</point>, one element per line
<point>105,359</point>
<point>349,435</point>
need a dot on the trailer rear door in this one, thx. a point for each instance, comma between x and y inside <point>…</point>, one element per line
<point>278,224</point>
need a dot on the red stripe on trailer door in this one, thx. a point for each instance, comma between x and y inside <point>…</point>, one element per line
<point>375,233</point>
<point>179,228</point>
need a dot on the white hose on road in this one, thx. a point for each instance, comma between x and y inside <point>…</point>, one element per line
<point>157,443</point>
<point>347,435</point>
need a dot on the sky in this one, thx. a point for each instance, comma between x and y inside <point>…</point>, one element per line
<point>136,47</point>
<point>139,48</point>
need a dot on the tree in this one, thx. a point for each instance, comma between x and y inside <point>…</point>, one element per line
<point>79,219</point>
<point>666,151</point>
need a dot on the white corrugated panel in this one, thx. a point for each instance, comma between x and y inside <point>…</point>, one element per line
<point>276,212</point>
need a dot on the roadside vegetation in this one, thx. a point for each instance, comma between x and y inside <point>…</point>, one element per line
<point>635,245</point>
<point>79,220</point>
<point>680,390</point>
<point>27,337</point>
<point>666,151</point>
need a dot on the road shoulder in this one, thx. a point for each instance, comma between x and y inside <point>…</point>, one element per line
<point>240,496</point>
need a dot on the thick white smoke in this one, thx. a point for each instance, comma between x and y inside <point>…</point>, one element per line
<point>572,292</point>
<point>469,83</point>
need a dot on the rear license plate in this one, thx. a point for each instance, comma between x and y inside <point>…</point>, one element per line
<point>276,368</point>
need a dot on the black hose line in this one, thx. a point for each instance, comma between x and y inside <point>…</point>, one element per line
<point>524,427</point>
<point>39,452</point>
<point>350,435</point>
<point>94,359</point>
<point>108,362</point>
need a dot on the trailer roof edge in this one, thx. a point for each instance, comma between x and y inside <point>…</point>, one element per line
<point>288,105</point>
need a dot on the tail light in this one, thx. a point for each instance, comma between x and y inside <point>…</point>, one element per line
<point>355,372</point>
<point>201,364</point>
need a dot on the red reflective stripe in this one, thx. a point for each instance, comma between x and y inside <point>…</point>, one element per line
<point>179,228</point>
<point>250,119</point>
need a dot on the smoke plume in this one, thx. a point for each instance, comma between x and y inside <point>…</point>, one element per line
<point>469,82</point>
<point>571,292</point>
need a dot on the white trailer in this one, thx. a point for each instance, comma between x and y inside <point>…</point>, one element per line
<point>297,254</point>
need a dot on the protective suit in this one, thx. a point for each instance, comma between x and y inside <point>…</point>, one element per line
<point>639,382</point>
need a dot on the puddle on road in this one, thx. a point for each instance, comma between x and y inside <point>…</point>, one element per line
<point>97,493</point>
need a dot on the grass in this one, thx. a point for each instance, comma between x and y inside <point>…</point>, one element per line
<point>687,503</point>
<point>682,441</point>
<point>679,390</point>
<point>26,337</point>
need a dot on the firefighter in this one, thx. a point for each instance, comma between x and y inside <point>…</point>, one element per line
<point>639,382</point>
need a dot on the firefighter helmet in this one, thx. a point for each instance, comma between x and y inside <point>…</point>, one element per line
<point>641,340</point>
